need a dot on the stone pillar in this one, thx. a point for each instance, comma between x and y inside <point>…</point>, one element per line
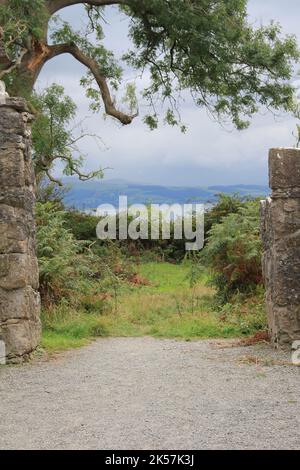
<point>281,239</point>
<point>19,298</point>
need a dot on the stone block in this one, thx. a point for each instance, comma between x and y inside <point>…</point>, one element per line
<point>19,304</point>
<point>22,198</point>
<point>12,125</point>
<point>20,337</point>
<point>17,227</point>
<point>282,218</point>
<point>284,170</point>
<point>12,168</point>
<point>18,270</point>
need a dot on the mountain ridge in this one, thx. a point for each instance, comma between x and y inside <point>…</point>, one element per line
<point>90,194</point>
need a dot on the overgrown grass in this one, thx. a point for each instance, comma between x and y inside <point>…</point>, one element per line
<point>166,307</point>
<point>64,328</point>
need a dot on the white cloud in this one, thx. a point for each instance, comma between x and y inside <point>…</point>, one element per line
<point>207,154</point>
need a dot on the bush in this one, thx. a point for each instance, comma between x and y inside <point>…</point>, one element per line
<point>248,315</point>
<point>227,204</point>
<point>233,252</point>
<point>82,272</point>
<point>83,226</point>
<point>56,250</point>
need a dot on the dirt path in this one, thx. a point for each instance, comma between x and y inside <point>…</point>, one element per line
<point>152,394</point>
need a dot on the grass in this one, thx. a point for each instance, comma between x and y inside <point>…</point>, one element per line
<point>167,307</point>
<point>64,328</point>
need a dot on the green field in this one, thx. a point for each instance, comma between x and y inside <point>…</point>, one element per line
<point>161,304</point>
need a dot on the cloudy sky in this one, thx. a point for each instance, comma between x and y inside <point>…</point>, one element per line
<point>207,154</point>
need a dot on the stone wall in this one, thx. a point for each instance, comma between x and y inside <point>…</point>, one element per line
<point>281,238</point>
<point>19,299</point>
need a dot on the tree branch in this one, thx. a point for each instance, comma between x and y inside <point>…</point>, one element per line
<point>92,65</point>
<point>74,170</point>
<point>56,5</point>
<point>14,65</point>
<point>52,179</point>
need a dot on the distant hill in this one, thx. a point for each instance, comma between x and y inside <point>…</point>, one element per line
<point>90,194</point>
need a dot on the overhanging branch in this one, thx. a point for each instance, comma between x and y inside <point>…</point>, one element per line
<point>56,5</point>
<point>92,65</point>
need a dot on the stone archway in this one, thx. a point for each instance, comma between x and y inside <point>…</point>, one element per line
<point>20,326</point>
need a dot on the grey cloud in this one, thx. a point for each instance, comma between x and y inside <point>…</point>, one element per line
<point>207,154</point>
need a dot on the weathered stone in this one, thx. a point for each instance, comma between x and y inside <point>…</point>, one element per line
<point>12,124</point>
<point>20,326</point>
<point>12,238</point>
<point>22,198</point>
<point>280,230</point>
<point>12,168</point>
<point>17,103</point>
<point>16,229</point>
<point>18,270</point>
<point>18,304</point>
<point>28,170</point>
<point>21,337</point>
<point>282,220</point>
<point>284,172</point>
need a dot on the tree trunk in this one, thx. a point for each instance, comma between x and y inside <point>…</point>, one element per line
<point>27,72</point>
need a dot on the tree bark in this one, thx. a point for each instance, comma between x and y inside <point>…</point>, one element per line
<point>56,5</point>
<point>92,65</point>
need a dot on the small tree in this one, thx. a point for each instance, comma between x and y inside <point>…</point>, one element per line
<point>53,139</point>
<point>205,46</point>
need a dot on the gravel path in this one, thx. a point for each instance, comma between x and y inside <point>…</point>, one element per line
<point>142,393</point>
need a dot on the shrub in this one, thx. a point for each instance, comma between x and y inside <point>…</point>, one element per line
<point>248,315</point>
<point>56,250</point>
<point>83,226</point>
<point>233,252</point>
<point>83,272</point>
<point>227,204</point>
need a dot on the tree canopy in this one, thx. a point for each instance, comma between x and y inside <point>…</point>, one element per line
<point>205,47</point>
